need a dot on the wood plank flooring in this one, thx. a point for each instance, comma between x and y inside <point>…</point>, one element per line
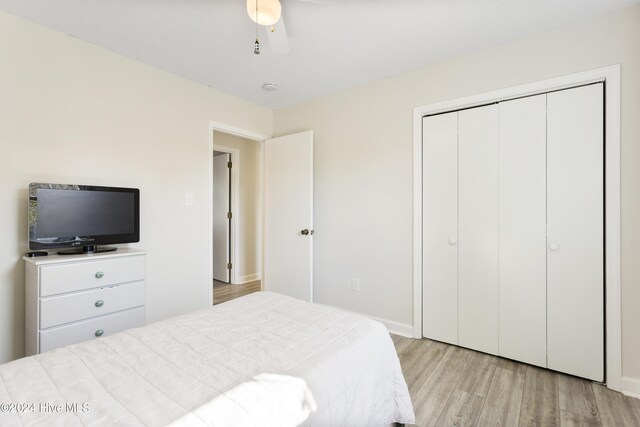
<point>453,386</point>
<point>224,292</point>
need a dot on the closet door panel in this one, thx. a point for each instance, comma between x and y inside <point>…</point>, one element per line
<point>478,228</point>
<point>575,258</point>
<point>440,228</point>
<point>523,258</point>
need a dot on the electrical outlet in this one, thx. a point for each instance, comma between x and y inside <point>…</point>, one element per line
<point>188,198</point>
<point>355,284</point>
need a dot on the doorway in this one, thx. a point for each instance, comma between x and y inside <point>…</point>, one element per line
<point>236,216</point>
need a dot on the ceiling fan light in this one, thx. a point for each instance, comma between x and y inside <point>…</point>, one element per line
<point>268,11</point>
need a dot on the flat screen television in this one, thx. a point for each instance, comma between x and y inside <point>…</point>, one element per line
<point>82,217</point>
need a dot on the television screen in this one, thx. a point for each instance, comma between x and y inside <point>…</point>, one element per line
<point>79,215</point>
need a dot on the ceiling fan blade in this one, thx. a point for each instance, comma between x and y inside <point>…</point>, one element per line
<point>278,39</point>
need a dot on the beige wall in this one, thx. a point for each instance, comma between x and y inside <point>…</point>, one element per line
<point>363,162</point>
<point>74,113</point>
<point>250,214</point>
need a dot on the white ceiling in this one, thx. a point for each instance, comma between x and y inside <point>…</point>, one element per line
<point>334,44</point>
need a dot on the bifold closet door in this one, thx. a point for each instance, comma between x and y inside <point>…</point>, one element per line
<point>478,194</point>
<point>523,257</point>
<point>575,233</point>
<point>440,227</point>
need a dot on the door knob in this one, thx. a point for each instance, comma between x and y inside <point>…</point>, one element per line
<point>452,241</point>
<point>305,232</point>
<point>553,246</point>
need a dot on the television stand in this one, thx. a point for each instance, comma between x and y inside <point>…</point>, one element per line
<point>92,249</point>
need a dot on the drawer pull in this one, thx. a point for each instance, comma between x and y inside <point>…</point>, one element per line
<point>99,332</point>
<point>99,303</point>
<point>99,275</point>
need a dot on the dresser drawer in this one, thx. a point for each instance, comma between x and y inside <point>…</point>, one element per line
<point>67,308</point>
<point>58,279</point>
<point>86,330</point>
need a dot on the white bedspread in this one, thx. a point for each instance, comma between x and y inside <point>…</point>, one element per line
<point>264,359</point>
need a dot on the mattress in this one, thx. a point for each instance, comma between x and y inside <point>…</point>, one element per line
<point>263,359</point>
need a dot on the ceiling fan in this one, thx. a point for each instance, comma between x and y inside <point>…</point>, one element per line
<point>268,13</point>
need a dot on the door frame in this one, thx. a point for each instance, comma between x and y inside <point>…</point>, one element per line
<point>235,181</point>
<point>234,194</point>
<point>611,76</point>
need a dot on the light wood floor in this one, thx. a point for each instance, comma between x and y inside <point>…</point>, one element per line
<point>224,292</point>
<point>453,386</point>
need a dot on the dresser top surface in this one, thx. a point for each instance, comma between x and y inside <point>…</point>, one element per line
<point>57,259</point>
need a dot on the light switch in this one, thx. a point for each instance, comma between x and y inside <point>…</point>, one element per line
<point>188,198</point>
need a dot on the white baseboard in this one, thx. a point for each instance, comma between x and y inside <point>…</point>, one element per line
<point>397,328</point>
<point>631,387</point>
<point>249,278</point>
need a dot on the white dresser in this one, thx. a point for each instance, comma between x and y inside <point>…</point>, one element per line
<point>75,298</point>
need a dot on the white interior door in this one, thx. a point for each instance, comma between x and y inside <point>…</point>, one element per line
<point>221,223</point>
<point>523,256</point>
<point>288,215</point>
<point>440,227</point>
<point>478,189</point>
<point>575,212</point>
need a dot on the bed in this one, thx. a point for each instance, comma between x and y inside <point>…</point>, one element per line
<point>263,359</point>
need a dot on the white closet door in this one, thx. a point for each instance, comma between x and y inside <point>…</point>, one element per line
<point>523,257</point>
<point>440,227</point>
<point>575,258</point>
<point>478,228</point>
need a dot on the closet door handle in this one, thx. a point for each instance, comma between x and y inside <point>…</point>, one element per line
<point>453,241</point>
<point>553,246</point>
